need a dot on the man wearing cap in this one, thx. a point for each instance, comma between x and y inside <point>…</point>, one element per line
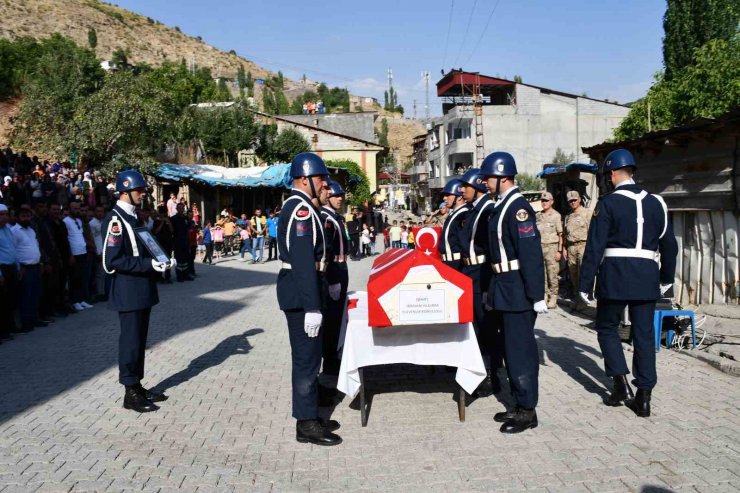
<point>550,226</point>
<point>300,292</point>
<point>474,238</point>
<point>450,244</point>
<point>631,252</point>
<point>516,291</point>
<point>576,233</point>
<point>133,289</point>
<point>337,276</point>
<point>439,216</point>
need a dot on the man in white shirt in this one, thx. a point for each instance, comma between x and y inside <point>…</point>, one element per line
<point>29,270</point>
<point>78,258</point>
<point>172,205</point>
<point>95,228</point>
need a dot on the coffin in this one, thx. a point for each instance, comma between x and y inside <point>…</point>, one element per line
<point>412,287</point>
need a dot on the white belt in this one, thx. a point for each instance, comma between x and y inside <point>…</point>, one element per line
<point>451,257</point>
<point>340,258</point>
<point>320,266</point>
<point>480,259</point>
<point>505,266</point>
<point>632,253</point>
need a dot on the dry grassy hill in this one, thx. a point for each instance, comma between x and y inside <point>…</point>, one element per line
<point>146,39</point>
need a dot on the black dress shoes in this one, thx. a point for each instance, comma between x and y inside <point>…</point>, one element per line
<point>153,395</point>
<point>329,424</point>
<point>311,431</point>
<point>135,400</point>
<point>489,386</point>
<point>504,416</point>
<point>622,391</point>
<point>523,419</point>
<point>641,403</point>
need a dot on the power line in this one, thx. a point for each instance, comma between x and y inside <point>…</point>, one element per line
<point>485,28</point>
<point>449,29</point>
<point>465,36</point>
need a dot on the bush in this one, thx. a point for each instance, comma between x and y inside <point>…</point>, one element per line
<point>358,186</point>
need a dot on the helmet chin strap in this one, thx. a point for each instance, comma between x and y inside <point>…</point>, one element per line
<point>314,195</point>
<point>497,192</point>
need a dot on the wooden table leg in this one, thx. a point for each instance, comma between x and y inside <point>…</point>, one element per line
<point>363,403</point>
<point>461,405</point>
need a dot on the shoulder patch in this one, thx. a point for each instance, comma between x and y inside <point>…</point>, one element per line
<point>302,213</point>
<point>526,229</point>
<point>522,215</point>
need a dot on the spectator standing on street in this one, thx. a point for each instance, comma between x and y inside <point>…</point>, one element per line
<point>78,258</point>
<point>218,240</point>
<point>162,231</point>
<point>229,236</point>
<point>272,228</point>
<point>181,228</point>
<point>208,243</point>
<point>404,236</point>
<point>258,225</point>
<point>96,224</point>
<point>395,235</point>
<point>29,270</point>
<point>61,271</point>
<point>246,238</point>
<point>8,276</point>
<point>172,205</point>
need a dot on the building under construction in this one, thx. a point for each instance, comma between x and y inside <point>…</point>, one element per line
<point>482,114</point>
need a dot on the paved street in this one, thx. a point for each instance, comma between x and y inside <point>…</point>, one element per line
<point>219,347</point>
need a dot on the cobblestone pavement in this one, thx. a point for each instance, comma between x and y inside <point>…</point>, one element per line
<point>219,347</point>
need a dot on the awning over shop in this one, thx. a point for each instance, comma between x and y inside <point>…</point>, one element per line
<point>555,169</point>
<point>275,176</point>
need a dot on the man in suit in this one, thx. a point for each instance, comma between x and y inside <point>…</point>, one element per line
<point>517,288</point>
<point>631,252</point>
<point>133,290</point>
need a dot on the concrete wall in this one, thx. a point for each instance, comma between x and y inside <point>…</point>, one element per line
<point>536,126</point>
<point>358,125</point>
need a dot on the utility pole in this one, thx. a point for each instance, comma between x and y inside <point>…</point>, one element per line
<point>425,74</point>
<point>390,78</point>
<point>414,109</point>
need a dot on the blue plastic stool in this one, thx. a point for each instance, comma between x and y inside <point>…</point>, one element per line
<point>658,325</point>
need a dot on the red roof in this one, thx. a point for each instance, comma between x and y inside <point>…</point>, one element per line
<point>450,84</point>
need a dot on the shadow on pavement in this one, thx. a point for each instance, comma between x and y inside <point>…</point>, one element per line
<point>573,358</point>
<point>233,345</point>
<point>49,361</point>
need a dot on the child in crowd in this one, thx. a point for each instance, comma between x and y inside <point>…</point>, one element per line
<point>404,237</point>
<point>218,240</point>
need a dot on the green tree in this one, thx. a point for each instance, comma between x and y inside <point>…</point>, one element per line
<point>690,24</point>
<point>383,136</point>
<point>288,143</point>
<point>358,184</point>
<point>241,80</point>
<point>249,84</point>
<point>92,38</point>
<point>223,93</point>
<point>561,157</point>
<point>119,58</point>
<point>184,86</point>
<point>124,124</point>
<point>528,182</point>
<point>223,131</point>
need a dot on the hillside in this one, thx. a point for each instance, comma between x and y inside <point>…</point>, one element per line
<point>401,133</point>
<point>146,40</point>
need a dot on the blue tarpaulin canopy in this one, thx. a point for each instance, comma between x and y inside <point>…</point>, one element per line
<point>555,169</point>
<point>275,176</point>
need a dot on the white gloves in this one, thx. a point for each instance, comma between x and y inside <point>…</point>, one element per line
<point>664,288</point>
<point>540,306</point>
<point>584,297</point>
<point>334,291</point>
<point>485,302</point>
<point>173,263</point>
<point>312,323</point>
<point>159,266</point>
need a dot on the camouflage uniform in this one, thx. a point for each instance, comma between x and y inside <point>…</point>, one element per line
<point>576,232</point>
<point>550,225</point>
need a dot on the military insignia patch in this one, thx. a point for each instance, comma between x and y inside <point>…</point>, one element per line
<point>115,229</point>
<point>302,213</point>
<point>522,215</point>
<point>526,230</point>
<point>303,229</point>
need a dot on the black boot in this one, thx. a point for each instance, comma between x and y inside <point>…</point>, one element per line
<point>135,400</point>
<point>153,395</point>
<point>489,386</point>
<point>641,403</point>
<point>524,419</point>
<point>329,424</point>
<point>504,416</point>
<point>622,391</point>
<point>311,431</point>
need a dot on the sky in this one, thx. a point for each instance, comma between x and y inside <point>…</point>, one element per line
<point>604,48</point>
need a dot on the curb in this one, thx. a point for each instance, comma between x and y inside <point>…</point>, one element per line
<point>725,365</point>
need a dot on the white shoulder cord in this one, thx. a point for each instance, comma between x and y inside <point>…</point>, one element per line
<point>665,214</point>
<point>447,230</point>
<point>499,227</point>
<point>115,221</point>
<point>314,217</point>
<point>339,230</point>
<point>475,228</point>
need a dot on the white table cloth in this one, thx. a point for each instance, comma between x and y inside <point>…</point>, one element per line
<point>439,344</point>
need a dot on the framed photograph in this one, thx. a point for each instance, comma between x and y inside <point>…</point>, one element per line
<point>155,249</point>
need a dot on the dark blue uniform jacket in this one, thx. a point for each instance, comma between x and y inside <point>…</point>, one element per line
<point>614,225</point>
<point>337,243</point>
<point>516,290</point>
<point>480,274</point>
<point>452,231</point>
<point>301,244</point>
<point>133,284</point>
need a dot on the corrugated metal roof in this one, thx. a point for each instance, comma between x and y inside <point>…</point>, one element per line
<point>276,176</point>
<point>553,169</point>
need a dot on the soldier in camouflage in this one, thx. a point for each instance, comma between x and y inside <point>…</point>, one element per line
<point>576,233</point>
<point>550,225</point>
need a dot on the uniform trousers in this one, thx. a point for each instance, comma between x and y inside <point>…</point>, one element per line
<point>575,259</point>
<point>521,355</point>
<point>552,267</point>
<point>30,295</point>
<point>608,316</point>
<point>131,345</point>
<point>182,256</point>
<point>306,357</point>
<point>79,274</point>
<point>331,327</point>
